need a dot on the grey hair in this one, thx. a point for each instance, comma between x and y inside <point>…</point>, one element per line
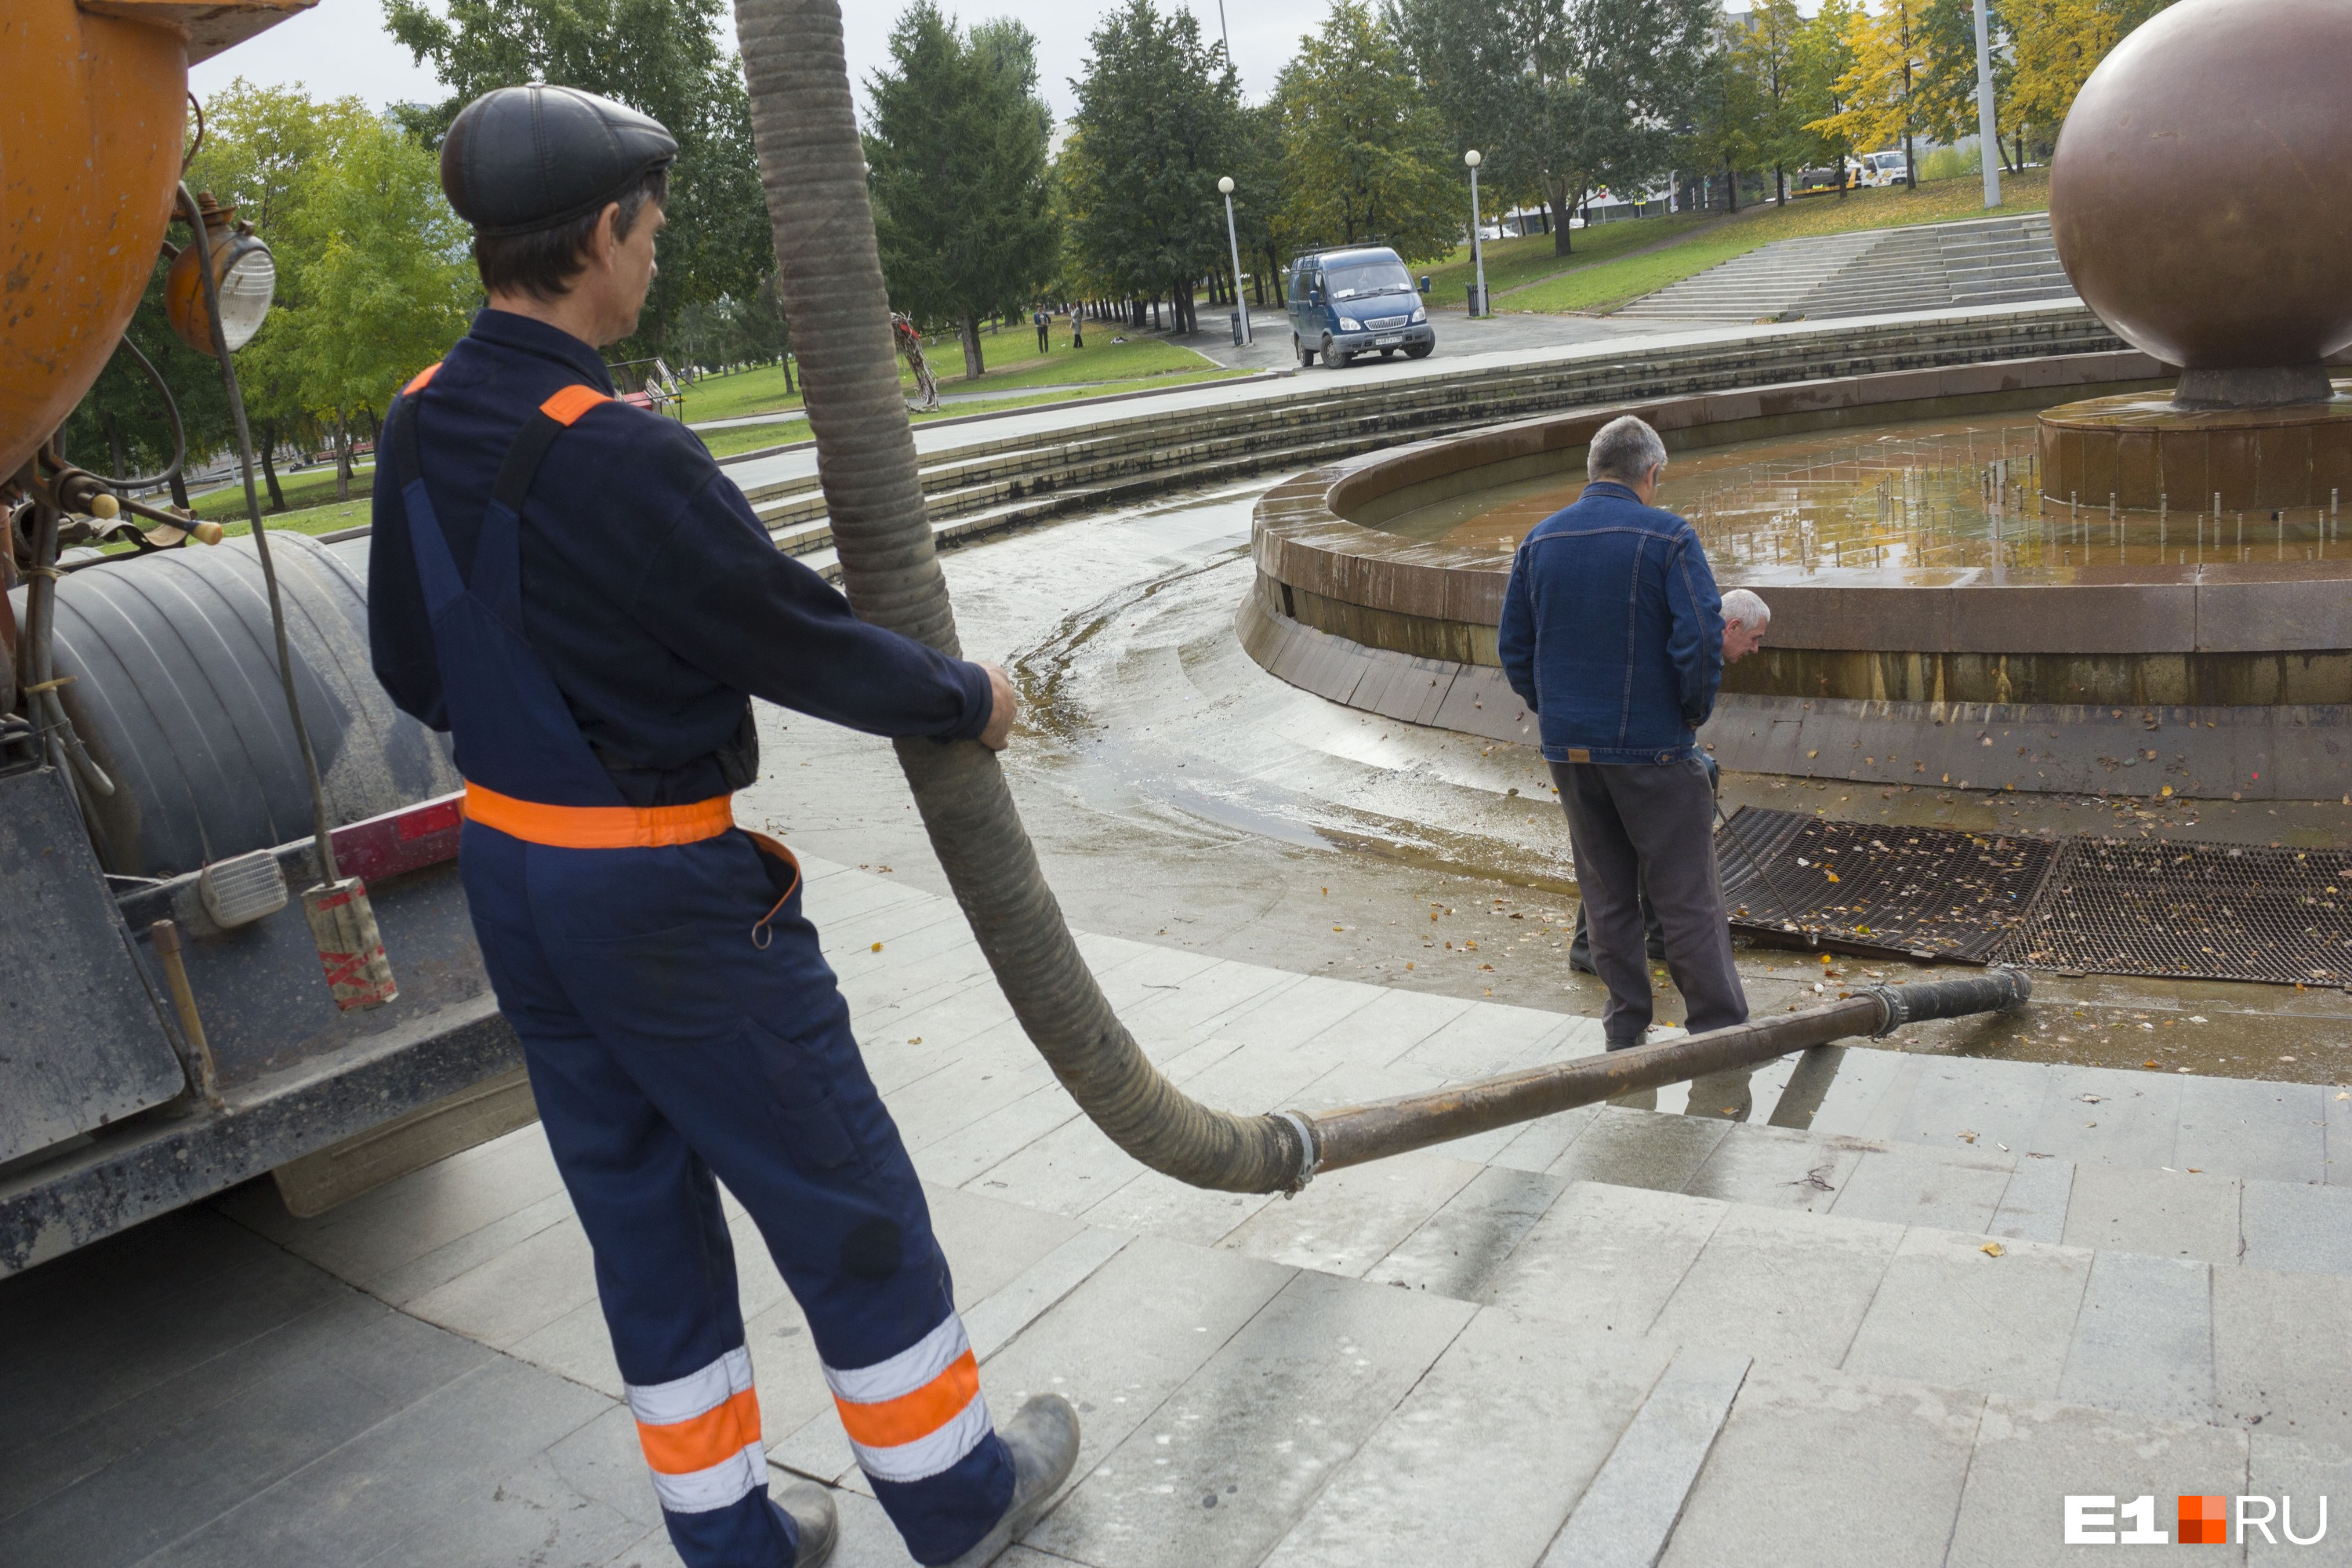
<point>1623,449</point>
<point>1748,607</point>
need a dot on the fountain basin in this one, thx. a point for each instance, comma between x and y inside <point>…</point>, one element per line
<point>2045,667</point>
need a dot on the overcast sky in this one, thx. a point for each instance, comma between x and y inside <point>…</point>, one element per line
<point>341,46</point>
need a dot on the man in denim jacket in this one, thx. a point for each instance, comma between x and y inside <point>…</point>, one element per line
<point>1612,634</point>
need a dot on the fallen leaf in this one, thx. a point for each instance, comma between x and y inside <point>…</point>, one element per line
<point>875,948</point>
<point>2150,1063</point>
<point>1408,964</point>
<point>1993,1249</point>
<point>1968,1137</point>
<point>2089,1098</point>
<point>914,1039</point>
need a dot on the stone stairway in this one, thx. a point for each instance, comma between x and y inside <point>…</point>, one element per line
<point>1817,1314</point>
<point>1929,266</point>
<point>979,480</point>
<point>1621,1334</point>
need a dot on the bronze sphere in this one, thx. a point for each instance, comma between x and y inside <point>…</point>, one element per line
<point>2201,192</point>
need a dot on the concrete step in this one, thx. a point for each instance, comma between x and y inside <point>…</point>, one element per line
<point>988,482</point>
<point>1657,1375</point>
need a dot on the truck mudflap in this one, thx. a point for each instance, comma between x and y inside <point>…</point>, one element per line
<point>294,1073</point>
<point>187,1151</point>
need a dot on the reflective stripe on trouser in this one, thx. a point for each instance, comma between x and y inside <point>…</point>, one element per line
<point>701,1435</point>
<point>668,1053</point>
<point>914,1415</point>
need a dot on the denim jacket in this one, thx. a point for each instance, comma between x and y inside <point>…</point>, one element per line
<point>1612,630</point>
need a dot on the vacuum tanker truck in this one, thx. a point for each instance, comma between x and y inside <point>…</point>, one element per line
<point>211,816</point>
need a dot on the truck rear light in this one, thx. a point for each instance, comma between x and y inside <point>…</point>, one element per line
<point>242,889</point>
<point>409,839</point>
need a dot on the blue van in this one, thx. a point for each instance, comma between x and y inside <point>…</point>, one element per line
<point>1359,299</point>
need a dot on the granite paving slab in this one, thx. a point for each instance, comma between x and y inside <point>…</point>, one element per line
<point>1785,1285</point>
<point>1629,1512</point>
<point>1507,1428</point>
<point>1260,1429</point>
<point>2031,1455</point>
<point>1949,1313</point>
<point>1883,1465</point>
<point>2144,1337</point>
<point>1605,1258</point>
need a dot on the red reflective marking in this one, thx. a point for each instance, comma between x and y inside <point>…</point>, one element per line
<point>409,839</point>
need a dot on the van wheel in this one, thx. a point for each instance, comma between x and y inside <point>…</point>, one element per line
<point>1305,355</point>
<point>1335,358</point>
<point>1418,350</point>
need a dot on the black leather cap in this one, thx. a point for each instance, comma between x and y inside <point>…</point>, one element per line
<point>524,158</point>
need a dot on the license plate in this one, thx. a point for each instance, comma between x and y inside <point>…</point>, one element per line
<point>1391,337</point>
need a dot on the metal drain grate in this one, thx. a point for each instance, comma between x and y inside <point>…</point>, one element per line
<point>2196,911</point>
<point>1922,892</point>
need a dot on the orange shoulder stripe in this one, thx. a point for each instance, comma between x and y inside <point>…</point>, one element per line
<point>570,403</point>
<point>422,376</point>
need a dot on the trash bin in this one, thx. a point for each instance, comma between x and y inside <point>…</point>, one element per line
<point>1236,319</point>
<point>1478,301</point>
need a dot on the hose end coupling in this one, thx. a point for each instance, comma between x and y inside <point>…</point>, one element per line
<point>1894,1011</point>
<point>1308,1151</point>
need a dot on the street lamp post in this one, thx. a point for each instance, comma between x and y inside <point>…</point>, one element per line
<point>1241,300</point>
<point>1988,147</point>
<point>1477,251</point>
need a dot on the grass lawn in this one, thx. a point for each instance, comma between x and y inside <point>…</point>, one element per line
<point>1609,284</point>
<point>1512,263</point>
<point>1010,356</point>
<point>311,488</point>
<point>751,437</point>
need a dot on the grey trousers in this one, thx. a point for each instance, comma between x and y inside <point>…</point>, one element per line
<point>1651,826</point>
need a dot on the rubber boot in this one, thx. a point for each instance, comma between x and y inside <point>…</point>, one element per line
<point>1042,1437</point>
<point>814,1524</point>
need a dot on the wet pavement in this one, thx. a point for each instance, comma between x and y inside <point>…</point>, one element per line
<point>1179,794</point>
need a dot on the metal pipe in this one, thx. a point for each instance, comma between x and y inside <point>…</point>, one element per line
<point>1358,1133</point>
<point>164,937</point>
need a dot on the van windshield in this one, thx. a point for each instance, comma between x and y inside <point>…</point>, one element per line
<point>1375,275</point>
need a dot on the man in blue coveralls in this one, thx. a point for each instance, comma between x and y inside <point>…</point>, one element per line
<point>570,587</point>
<point>1612,634</point>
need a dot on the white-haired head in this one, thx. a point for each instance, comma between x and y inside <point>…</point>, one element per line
<point>1625,450</point>
<point>1744,617</point>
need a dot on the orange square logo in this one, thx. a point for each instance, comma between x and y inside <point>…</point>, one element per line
<point>2204,1522</point>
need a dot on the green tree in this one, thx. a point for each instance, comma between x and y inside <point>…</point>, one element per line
<point>1822,55</point>
<point>1365,152</point>
<point>957,146</point>
<point>262,150</point>
<point>1159,121</point>
<point>385,281</point>
<point>660,56</point>
<point>267,150</point>
<point>1565,96</point>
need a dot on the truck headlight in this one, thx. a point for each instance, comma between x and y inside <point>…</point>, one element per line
<point>1349,324</point>
<point>1419,315</point>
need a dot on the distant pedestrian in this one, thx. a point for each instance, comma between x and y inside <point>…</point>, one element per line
<point>1044,321</point>
<point>1746,618</point>
<point>1077,326</point>
<point>1612,634</point>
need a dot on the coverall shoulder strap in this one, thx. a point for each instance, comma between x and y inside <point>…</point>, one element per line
<point>548,421</point>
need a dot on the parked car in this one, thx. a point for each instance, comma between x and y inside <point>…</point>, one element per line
<point>1826,182</point>
<point>1358,299</point>
<point>1882,168</point>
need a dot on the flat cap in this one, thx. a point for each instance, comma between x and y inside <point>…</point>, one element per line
<point>524,158</point>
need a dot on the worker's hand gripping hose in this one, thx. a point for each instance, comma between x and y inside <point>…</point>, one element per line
<point>830,276</point>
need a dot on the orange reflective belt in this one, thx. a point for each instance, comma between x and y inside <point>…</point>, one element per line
<point>600,827</point>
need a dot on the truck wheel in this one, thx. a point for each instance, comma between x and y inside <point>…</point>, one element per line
<point>1305,355</point>
<point>1338,359</point>
<point>1418,350</point>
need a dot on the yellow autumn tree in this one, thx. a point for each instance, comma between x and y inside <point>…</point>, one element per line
<point>2058,43</point>
<point>1877,90</point>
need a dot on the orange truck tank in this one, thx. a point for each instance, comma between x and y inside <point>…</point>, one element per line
<point>92,128</point>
